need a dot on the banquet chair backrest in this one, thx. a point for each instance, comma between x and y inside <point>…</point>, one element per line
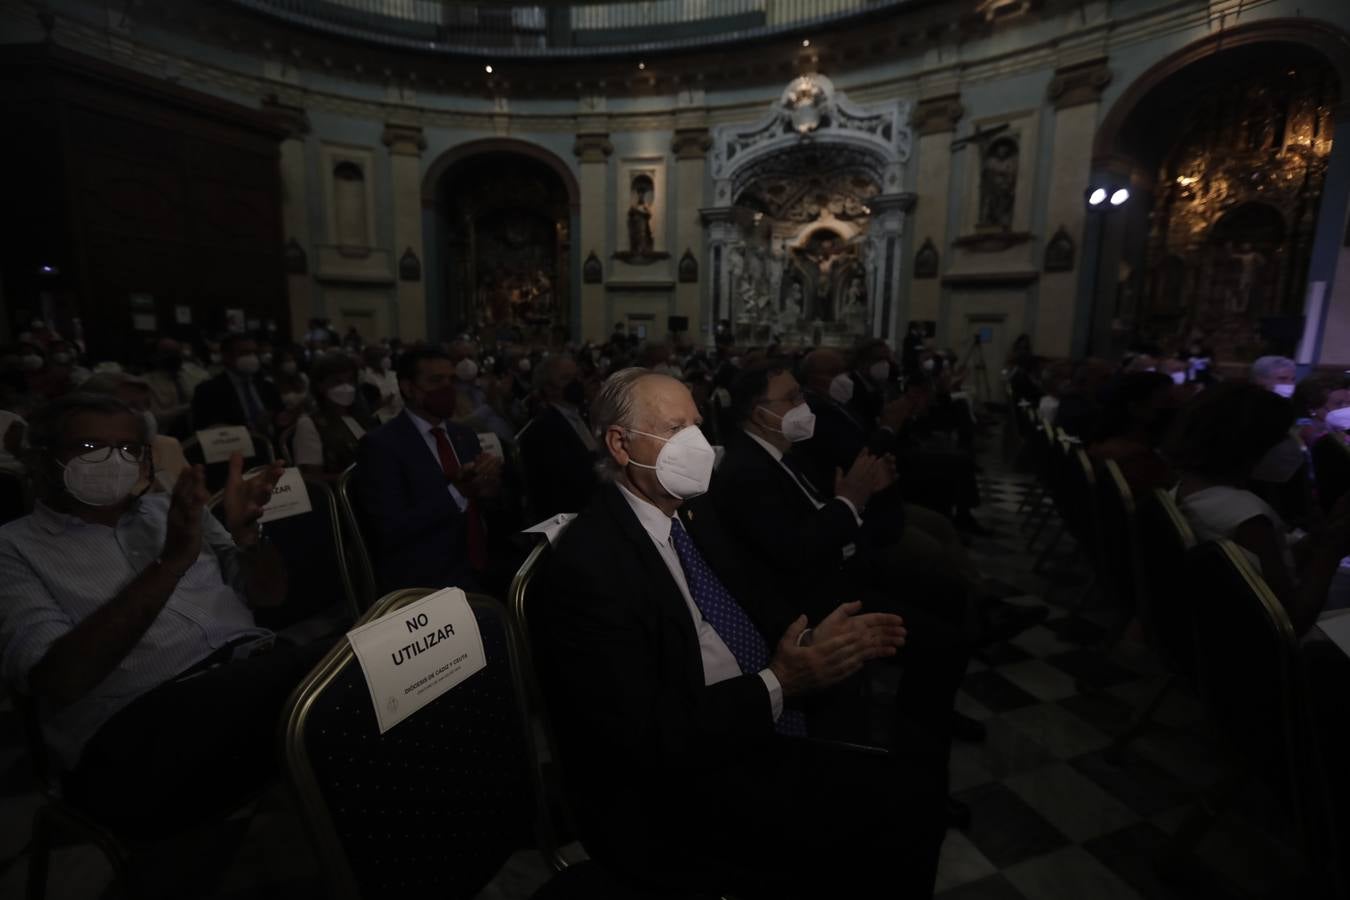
<point>1164,603</point>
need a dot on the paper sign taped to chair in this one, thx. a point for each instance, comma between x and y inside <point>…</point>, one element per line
<point>415,654</point>
<point>218,443</point>
<point>290,497</point>
<point>491,445</point>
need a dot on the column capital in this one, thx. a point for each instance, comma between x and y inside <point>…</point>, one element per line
<point>937,114</point>
<point>404,139</point>
<point>292,118</point>
<point>1079,84</point>
<point>691,143</point>
<point>883,203</point>
<point>592,147</point>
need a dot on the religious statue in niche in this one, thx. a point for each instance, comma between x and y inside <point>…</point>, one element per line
<point>1248,265</point>
<point>1059,252</point>
<point>642,193</point>
<point>592,270</point>
<point>688,268</point>
<point>998,184</point>
<point>926,260</point>
<point>825,267</point>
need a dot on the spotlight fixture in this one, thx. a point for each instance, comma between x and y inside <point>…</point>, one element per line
<point>487,69</point>
<point>1119,196</point>
<point>642,66</point>
<point>49,270</point>
<point>806,42</point>
<point>1096,197</point>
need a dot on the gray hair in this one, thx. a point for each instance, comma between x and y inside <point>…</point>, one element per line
<point>546,373</point>
<point>1267,366</point>
<point>616,404</point>
<point>47,426</point>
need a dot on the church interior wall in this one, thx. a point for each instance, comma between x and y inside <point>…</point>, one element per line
<point>1000,78</point>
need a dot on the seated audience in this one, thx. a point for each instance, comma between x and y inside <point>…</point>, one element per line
<point>239,395</point>
<point>418,479</point>
<point>171,396</point>
<point>380,376</point>
<point>1136,412</point>
<point>675,688</point>
<point>1219,438</point>
<point>325,439</point>
<point>557,447</point>
<point>1277,374</point>
<point>1318,403</point>
<point>127,620</point>
<point>166,453</point>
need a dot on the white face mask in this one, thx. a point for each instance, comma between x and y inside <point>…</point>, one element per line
<point>684,466</point>
<point>797,424</point>
<point>466,370</point>
<point>841,388</point>
<point>524,365</point>
<point>879,371</point>
<point>928,365</point>
<point>1339,418</point>
<point>292,400</point>
<point>1284,390</point>
<point>1178,377</point>
<point>342,394</point>
<point>101,483</point>
<point>248,364</point>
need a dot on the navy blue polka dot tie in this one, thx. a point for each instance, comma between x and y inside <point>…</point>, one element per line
<point>727,618</point>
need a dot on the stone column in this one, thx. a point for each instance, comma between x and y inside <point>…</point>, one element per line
<point>1328,331</point>
<point>295,214</point>
<point>1076,92</point>
<point>888,224</point>
<point>721,232</point>
<point>690,146</point>
<point>934,121</point>
<point>593,150</point>
<point>406,143</point>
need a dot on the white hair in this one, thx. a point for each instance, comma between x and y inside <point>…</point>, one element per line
<point>616,404</point>
<point>1266,367</point>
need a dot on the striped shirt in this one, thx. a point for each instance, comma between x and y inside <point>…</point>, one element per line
<point>57,569</point>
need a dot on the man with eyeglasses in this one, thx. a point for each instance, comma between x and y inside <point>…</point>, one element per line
<point>126,619</point>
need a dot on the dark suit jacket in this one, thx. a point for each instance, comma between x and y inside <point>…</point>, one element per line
<point>559,470</point>
<point>867,401</point>
<point>416,534</point>
<point>216,402</point>
<point>618,658</point>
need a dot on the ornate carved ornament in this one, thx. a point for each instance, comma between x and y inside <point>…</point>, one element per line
<point>691,143</point>
<point>593,147</point>
<point>688,268</point>
<point>938,114</point>
<point>812,109</point>
<point>926,260</point>
<point>1079,84</point>
<point>404,140</point>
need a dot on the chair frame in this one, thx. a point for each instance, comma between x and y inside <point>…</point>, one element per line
<point>341,880</point>
<point>358,553</point>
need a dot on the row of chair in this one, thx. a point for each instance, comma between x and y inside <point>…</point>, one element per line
<point>1213,623</point>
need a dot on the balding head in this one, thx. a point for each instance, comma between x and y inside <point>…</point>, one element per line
<point>820,367</point>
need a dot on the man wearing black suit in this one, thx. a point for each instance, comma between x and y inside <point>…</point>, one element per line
<point>238,395</point>
<point>557,447</point>
<point>419,479</point>
<point>672,687</point>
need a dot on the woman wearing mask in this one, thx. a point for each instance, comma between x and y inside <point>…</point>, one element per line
<point>325,440</point>
<point>1218,439</point>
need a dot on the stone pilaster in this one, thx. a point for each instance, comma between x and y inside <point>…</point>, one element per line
<point>294,212</point>
<point>690,146</point>
<point>934,122</point>
<point>593,150</point>
<point>406,143</point>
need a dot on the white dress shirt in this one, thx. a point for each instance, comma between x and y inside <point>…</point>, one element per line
<point>718,662</point>
<point>425,428</point>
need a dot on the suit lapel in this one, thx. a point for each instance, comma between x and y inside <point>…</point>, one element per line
<point>423,468</point>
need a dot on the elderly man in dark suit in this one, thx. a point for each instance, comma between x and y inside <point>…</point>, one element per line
<point>675,685</point>
<point>557,446</point>
<point>419,480</point>
<point>239,395</point>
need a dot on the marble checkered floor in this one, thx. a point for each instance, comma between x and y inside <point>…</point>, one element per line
<point>1053,819</point>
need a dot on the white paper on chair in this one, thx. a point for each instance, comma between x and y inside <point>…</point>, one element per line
<point>1336,626</point>
<point>218,443</point>
<point>290,497</point>
<point>491,445</point>
<point>415,654</point>
<point>552,527</point>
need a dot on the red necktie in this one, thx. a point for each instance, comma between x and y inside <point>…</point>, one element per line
<point>477,539</point>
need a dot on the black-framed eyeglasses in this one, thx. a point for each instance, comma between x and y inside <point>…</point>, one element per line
<point>98,451</point>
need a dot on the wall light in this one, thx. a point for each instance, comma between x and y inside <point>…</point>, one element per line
<point>1096,197</point>
<point>1119,196</point>
<point>487,69</point>
<point>1106,196</point>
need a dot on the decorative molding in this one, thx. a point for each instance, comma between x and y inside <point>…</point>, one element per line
<point>1059,252</point>
<point>1079,84</point>
<point>937,114</point>
<point>592,147</point>
<point>640,286</point>
<point>404,139</point>
<point>992,241</point>
<point>691,143</point>
<point>903,202</point>
<point>991,279</point>
<point>292,118</point>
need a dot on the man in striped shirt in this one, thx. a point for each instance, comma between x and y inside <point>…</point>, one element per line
<point>126,619</point>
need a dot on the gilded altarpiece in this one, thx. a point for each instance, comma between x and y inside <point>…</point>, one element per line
<point>1235,207</point>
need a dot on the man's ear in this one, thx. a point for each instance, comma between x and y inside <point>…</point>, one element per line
<point>614,443</point>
